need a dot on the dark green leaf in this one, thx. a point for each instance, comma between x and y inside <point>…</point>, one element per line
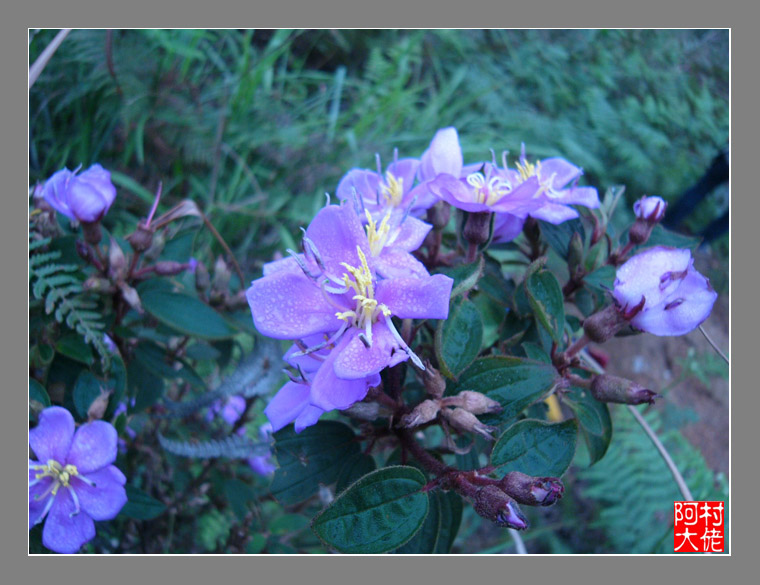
<point>117,383</point>
<point>458,338</point>
<point>146,387</point>
<point>492,314</point>
<point>180,247</point>
<point>536,352</point>
<point>548,304</point>
<point>661,236</point>
<point>594,421</point>
<point>465,276</point>
<point>426,539</point>
<point>451,517</point>
<point>38,393</point>
<point>186,314</point>
<point>495,285</point>
<point>355,468</point>
<point>238,494</point>
<point>74,347</point>
<point>513,382</point>
<point>603,278</point>
<point>309,458</point>
<point>141,506</point>
<point>288,523</point>
<point>86,390</point>
<point>536,448</point>
<point>256,544</point>
<point>558,236</point>
<point>380,512</point>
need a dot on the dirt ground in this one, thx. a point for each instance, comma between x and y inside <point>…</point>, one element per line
<point>654,362</point>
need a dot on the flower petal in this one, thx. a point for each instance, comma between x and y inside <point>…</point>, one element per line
<point>332,390</point>
<point>288,264</point>
<point>366,184</point>
<point>554,213</point>
<point>94,446</point>
<point>506,227</point>
<point>55,192</point>
<point>51,438</point>
<point>405,169</point>
<point>308,417</point>
<point>353,360</point>
<point>106,498</point>
<point>586,196</point>
<point>416,298</point>
<point>563,171</point>
<point>336,232</point>
<point>641,275</point>
<point>393,263</point>
<point>455,192</point>
<point>443,156</point>
<point>420,198</point>
<point>287,404</point>
<point>37,504</point>
<point>66,531</point>
<point>286,305</point>
<point>410,234</point>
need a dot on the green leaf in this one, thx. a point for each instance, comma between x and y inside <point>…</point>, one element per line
<point>594,421</point>
<point>314,456</point>
<point>86,389</point>
<point>450,504</point>
<point>231,447</point>
<point>426,539</point>
<point>458,338</point>
<point>288,523</point>
<point>75,348</point>
<point>186,314</point>
<point>379,513</point>
<point>355,468</point>
<point>536,448</point>
<point>146,387</point>
<point>37,395</point>
<point>536,352</point>
<point>558,236</point>
<point>548,304</point>
<point>661,236</point>
<point>513,382</point>
<point>465,276</point>
<point>492,314</point>
<point>603,278</point>
<point>141,506</point>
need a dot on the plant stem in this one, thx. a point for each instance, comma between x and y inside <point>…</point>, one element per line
<point>714,346</point>
<point>519,544</point>
<point>46,55</point>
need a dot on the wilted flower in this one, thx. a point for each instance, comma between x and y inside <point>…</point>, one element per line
<point>333,290</point>
<point>676,297</point>
<point>85,197</point>
<point>73,481</point>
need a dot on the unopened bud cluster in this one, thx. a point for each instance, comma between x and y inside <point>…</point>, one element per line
<point>493,504</point>
<point>607,388</point>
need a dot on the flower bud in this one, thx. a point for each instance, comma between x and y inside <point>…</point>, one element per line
<point>435,385</point>
<point>575,253</point>
<point>98,407</point>
<point>424,412</point>
<point>85,198</point>
<point>607,388</point>
<point>117,263</point>
<point>477,228</point>
<point>202,279</point>
<point>222,275</point>
<point>170,267</point>
<point>130,295</point>
<point>474,402</point>
<point>604,324</point>
<point>99,285</point>
<point>141,239</point>
<point>467,422</point>
<point>532,491</point>
<point>650,209</point>
<point>367,411</point>
<point>84,251</point>
<point>92,232</point>
<point>439,215</point>
<point>493,504</point>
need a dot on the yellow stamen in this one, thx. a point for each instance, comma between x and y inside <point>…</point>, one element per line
<point>60,474</point>
<point>377,236</point>
<point>392,189</point>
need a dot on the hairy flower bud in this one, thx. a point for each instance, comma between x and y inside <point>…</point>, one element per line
<point>435,385</point>
<point>604,324</point>
<point>575,253</point>
<point>532,491</point>
<point>424,412</point>
<point>467,422</point>
<point>477,228</point>
<point>474,402</point>
<point>439,215</point>
<point>117,262</point>
<point>142,238</point>
<point>493,504</point>
<point>202,279</point>
<point>130,295</point>
<point>607,388</point>
<point>98,284</point>
<point>170,267</point>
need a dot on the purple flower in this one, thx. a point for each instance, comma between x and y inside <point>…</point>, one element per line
<point>85,198</point>
<point>677,297</point>
<point>333,291</point>
<point>651,209</point>
<point>380,192</point>
<point>72,483</point>
<point>230,410</point>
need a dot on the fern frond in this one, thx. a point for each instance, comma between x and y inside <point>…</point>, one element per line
<point>232,447</point>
